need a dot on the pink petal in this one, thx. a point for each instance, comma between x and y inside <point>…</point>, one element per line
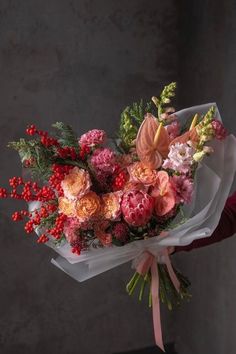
<point>148,153</point>
<point>162,180</point>
<point>164,204</point>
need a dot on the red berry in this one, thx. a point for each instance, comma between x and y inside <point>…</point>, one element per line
<point>31,130</point>
<point>3,193</point>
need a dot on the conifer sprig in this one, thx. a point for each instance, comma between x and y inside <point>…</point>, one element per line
<point>65,135</point>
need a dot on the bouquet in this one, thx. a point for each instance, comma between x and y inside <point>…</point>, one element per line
<point>100,202</point>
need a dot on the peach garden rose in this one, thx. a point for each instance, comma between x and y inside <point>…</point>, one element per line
<point>111,205</point>
<point>140,173</point>
<point>88,206</point>
<point>66,206</point>
<point>76,183</point>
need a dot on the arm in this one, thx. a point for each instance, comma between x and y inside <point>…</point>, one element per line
<point>225,228</point>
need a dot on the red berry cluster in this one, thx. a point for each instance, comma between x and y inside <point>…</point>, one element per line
<point>30,191</point>
<point>31,130</point>
<point>3,193</point>
<point>28,163</point>
<point>19,215</point>
<point>46,140</point>
<point>58,228</point>
<point>45,194</point>
<point>85,150</point>
<point>120,180</point>
<point>59,172</point>
<point>76,247</point>
<point>67,152</point>
<point>43,238</point>
<point>37,216</point>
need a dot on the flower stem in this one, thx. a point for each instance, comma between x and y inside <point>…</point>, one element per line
<point>150,298</point>
<point>133,282</point>
<point>144,282</point>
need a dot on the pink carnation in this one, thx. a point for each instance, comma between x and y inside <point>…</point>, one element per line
<point>173,130</point>
<point>93,138</point>
<point>183,187</point>
<point>137,207</point>
<point>71,229</point>
<point>103,160</point>
<point>219,129</point>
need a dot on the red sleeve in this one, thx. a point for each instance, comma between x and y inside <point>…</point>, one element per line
<point>225,228</point>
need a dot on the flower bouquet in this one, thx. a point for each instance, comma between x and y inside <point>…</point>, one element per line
<point>99,202</point>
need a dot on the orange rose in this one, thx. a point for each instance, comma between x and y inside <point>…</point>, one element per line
<point>88,206</point>
<point>140,173</point>
<point>111,205</point>
<point>66,206</point>
<point>76,183</point>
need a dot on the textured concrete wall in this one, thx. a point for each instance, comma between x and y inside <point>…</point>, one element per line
<point>80,62</point>
<point>207,324</point>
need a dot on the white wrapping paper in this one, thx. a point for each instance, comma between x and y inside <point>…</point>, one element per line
<point>213,181</point>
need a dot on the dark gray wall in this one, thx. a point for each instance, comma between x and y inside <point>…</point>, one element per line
<point>207,324</point>
<point>80,62</point>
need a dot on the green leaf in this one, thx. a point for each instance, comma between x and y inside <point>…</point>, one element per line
<point>131,119</point>
<point>165,98</point>
<point>65,135</point>
<point>41,157</point>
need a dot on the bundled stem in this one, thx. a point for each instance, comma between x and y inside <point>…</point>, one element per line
<point>167,292</point>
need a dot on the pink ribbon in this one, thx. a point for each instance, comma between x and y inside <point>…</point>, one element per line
<point>149,262</point>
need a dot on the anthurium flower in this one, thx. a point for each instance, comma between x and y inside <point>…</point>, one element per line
<point>190,135</point>
<point>151,151</point>
<point>163,193</point>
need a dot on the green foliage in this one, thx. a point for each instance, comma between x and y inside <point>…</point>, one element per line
<point>209,115</point>
<point>49,221</point>
<point>165,97</point>
<point>168,93</point>
<point>138,110</point>
<point>128,130</point>
<point>131,119</point>
<point>40,157</point>
<point>65,135</point>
